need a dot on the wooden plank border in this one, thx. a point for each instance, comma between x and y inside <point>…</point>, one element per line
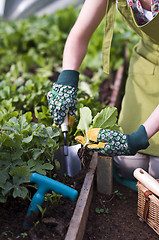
<point>78,222</point>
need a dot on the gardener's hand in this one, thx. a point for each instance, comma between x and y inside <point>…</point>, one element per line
<point>114,143</point>
<point>63,97</point>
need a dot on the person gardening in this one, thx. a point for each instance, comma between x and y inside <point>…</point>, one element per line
<point>142,87</point>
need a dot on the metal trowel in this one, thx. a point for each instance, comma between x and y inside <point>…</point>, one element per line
<point>70,163</point>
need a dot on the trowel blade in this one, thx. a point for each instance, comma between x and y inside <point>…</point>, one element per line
<point>70,164</point>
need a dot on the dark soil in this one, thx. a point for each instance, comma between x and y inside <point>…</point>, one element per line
<point>110,217</point>
<point>116,217</point>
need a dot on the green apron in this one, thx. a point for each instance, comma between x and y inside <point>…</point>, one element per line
<point>142,85</point>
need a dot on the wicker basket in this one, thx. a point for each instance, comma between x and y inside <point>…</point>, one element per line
<point>148,207</point>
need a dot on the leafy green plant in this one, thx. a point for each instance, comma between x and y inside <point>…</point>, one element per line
<point>32,41</point>
<point>26,91</point>
<point>25,147</point>
<point>43,116</point>
<point>106,118</point>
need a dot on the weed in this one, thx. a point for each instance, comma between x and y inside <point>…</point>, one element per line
<point>53,198</point>
<point>24,234</point>
<point>36,223</point>
<point>6,234</point>
<point>42,210</point>
<point>103,209</point>
<point>119,195</point>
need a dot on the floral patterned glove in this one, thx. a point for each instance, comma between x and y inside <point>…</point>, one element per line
<point>114,143</point>
<point>63,97</point>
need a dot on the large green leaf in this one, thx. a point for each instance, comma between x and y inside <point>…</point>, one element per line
<point>106,118</point>
<point>3,177</point>
<point>20,191</point>
<point>20,171</point>
<point>40,167</point>
<point>53,132</point>
<point>7,188</point>
<point>85,119</point>
<point>37,152</point>
<point>27,139</point>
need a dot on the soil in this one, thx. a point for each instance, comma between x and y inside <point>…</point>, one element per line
<point>110,217</point>
<point>115,217</point>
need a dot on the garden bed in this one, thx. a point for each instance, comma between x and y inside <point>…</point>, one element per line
<point>112,217</point>
<point>116,217</point>
<point>109,217</point>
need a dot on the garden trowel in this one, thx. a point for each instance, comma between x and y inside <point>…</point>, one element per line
<point>67,155</point>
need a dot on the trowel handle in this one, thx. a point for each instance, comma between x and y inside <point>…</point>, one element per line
<point>64,125</point>
<point>147,180</point>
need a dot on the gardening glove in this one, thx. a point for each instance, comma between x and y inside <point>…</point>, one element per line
<point>63,97</point>
<point>114,143</point>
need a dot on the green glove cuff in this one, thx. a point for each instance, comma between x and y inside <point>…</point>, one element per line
<point>69,78</point>
<point>137,140</point>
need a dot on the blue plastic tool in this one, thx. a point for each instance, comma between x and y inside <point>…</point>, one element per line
<point>46,184</point>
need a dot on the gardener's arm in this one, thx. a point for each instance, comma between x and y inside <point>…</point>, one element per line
<point>152,123</point>
<point>63,96</point>
<point>76,45</point>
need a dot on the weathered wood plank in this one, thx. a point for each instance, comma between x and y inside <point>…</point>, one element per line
<point>104,175</point>
<point>78,222</point>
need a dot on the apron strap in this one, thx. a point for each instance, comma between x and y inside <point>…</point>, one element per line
<point>108,34</point>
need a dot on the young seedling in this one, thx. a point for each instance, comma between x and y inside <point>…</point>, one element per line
<point>24,234</point>
<point>103,209</point>
<point>120,195</point>
<point>36,223</point>
<point>42,210</point>
<point>53,198</point>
